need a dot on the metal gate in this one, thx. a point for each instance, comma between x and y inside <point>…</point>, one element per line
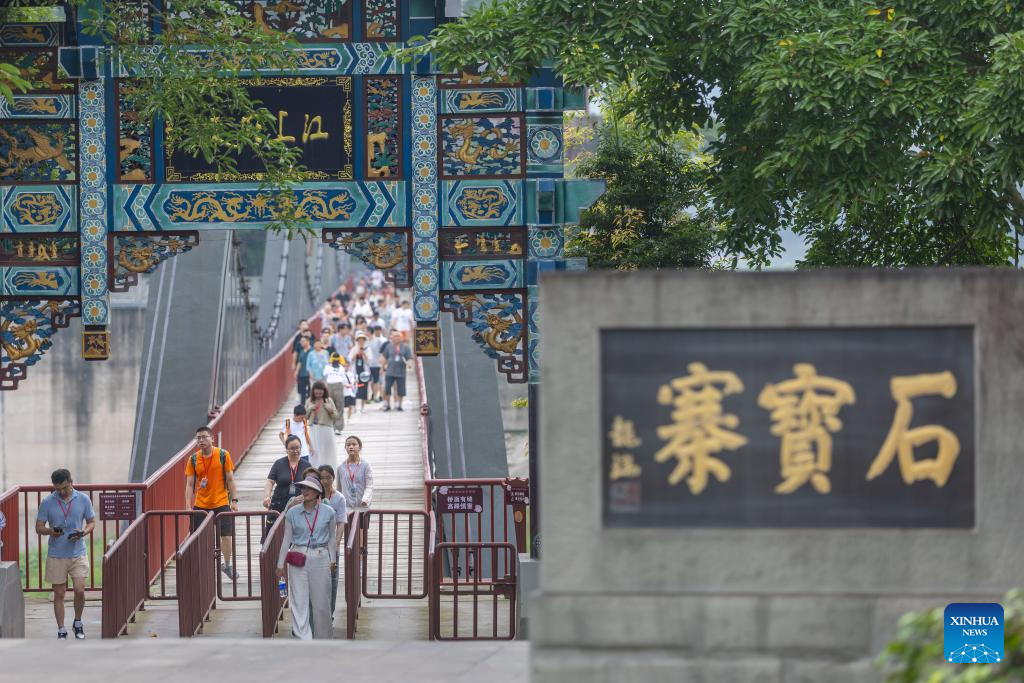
<point>394,554</point>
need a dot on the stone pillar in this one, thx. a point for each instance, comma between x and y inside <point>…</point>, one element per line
<point>664,599</point>
<point>12,603</point>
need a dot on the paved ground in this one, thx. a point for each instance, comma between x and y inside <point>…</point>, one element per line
<point>255,661</point>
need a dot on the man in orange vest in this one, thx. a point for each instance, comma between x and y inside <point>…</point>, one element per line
<point>210,487</point>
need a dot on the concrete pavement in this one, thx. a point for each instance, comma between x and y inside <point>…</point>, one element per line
<point>168,660</point>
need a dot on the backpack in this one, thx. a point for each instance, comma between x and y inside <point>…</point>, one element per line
<point>223,470</point>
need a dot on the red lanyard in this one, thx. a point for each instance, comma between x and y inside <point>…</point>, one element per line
<point>200,458</point>
<point>293,471</point>
<point>351,476</point>
<point>68,511</point>
<point>305,517</point>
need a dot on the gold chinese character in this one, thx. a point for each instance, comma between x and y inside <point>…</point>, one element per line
<point>903,440</point>
<point>624,467</point>
<point>698,429</point>
<point>623,434</point>
<point>281,137</point>
<point>308,125</point>
<point>804,412</point>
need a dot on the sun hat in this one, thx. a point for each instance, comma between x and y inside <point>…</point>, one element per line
<point>311,482</point>
<point>360,335</point>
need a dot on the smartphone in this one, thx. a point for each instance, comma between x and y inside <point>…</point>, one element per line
<point>59,530</point>
<point>75,535</point>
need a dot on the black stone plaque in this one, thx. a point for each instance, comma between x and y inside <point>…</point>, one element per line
<point>796,427</point>
<point>314,114</point>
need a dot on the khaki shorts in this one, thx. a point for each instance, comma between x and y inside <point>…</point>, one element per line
<point>58,569</point>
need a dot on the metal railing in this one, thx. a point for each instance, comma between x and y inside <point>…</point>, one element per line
<point>498,521</point>
<point>401,536</point>
<point>247,547</point>
<point>195,577</point>
<point>353,583</point>
<point>165,529</point>
<point>270,599</point>
<point>126,589</point>
<point>482,580</point>
<point>23,545</point>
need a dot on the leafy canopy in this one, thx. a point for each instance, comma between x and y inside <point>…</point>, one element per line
<point>656,211</point>
<point>847,121</point>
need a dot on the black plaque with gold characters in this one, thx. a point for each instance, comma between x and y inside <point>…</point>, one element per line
<point>795,427</point>
<point>312,113</point>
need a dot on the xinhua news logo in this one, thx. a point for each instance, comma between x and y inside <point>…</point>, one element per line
<point>973,633</point>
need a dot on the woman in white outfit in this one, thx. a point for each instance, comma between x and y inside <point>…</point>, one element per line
<point>320,414</point>
<point>355,478</point>
<point>310,537</point>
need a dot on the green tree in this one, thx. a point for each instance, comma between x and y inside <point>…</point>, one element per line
<point>656,212</point>
<point>916,654</point>
<point>835,118</point>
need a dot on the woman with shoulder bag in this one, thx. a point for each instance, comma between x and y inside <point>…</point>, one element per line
<point>310,552</point>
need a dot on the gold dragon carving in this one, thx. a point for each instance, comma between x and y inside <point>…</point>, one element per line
<point>481,203</point>
<point>210,208</point>
<point>469,152</point>
<point>23,342</point>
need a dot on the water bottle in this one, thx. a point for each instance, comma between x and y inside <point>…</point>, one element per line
<point>282,587</point>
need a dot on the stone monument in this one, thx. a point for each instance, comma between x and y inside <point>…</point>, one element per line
<point>751,477</point>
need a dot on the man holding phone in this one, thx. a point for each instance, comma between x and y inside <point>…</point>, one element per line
<point>66,517</point>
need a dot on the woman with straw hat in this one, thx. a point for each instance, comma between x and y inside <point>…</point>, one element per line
<point>310,552</point>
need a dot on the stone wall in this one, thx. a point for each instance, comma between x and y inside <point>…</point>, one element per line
<point>765,605</point>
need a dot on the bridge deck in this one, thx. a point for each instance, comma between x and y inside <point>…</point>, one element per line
<point>391,444</point>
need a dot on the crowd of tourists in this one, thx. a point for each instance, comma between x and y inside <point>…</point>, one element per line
<point>360,357</point>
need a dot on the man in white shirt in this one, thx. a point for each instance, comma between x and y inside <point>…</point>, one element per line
<point>402,321</point>
<point>363,308</point>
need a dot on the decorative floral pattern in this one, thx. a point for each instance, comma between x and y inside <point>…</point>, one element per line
<point>92,203</point>
<point>424,196</point>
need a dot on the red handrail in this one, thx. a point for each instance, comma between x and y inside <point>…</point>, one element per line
<point>482,583</point>
<point>270,598</point>
<point>404,524</point>
<point>195,580</point>
<point>124,565</point>
<point>353,583</point>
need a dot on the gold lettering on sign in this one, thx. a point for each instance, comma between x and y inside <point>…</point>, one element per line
<point>624,466</point>
<point>902,440</point>
<point>281,137</point>
<point>623,433</point>
<point>804,413</point>
<point>699,427</point>
<point>308,124</point>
